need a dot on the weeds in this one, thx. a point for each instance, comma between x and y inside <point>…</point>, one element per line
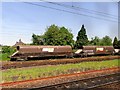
<point>41,72</point>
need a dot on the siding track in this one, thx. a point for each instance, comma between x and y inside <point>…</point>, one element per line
<point>20,64</point>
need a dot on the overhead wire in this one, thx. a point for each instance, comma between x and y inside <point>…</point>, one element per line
<point>69,12</point>
<point>59,10</point>
<point>86,10</point>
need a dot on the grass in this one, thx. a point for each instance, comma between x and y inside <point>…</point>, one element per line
<point>45,71</point>
<point>4,57</point>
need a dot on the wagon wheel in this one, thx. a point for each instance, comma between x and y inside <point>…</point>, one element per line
<point>25,59</point>
<point>113,53</point>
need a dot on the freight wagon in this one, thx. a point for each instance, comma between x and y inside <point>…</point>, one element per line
<point>43,52</point>
<point>85,51</point>
<point>28,52</point>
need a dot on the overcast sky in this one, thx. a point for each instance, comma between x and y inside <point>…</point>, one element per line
<point>20,20</point>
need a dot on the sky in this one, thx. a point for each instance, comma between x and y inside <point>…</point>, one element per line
<point>20,20</point>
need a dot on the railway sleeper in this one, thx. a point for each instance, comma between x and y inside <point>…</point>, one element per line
<point>84,84</point>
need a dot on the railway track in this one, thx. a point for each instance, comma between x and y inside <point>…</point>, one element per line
<point>81,81</point>
<point>109,86</point>
<point>84,84</point>
<point>20,64</point>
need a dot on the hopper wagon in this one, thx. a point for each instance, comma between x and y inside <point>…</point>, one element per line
<point>85,51</point>
<point>28,52</point>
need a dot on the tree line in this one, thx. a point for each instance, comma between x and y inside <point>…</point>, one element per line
<point>55,35</point>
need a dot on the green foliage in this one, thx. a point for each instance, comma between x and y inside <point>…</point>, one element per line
<point>54,70</point>
<point>119,44</point>
<point>95,41</point>
<point>8,49</point>
<point>116,43</point>
<point>66,38</point>
<point>106,41</point>
<point>4,57</point>
<point>6,52</point>
<point>37,39</point>
<point>54,35</point>
<point>81,38</point>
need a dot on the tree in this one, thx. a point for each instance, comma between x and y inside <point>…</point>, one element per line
<point>58,36</point>
<point>51,35</point>
<point>37,40</point>
<point>8,49</point>
<point>5,49</point>
<point>54,35</point>
<point>118,44</point>
<point>95,41</point>
<point>66,37</point>
<point>106,41</point>
<point>81,38</point>
<point>115,42</point>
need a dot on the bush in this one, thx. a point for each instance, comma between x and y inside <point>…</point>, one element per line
<point>8,49</point>
<point>6,52</point>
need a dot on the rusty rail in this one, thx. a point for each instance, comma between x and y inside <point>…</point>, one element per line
<point>60,76</point>
<point>84,84</point>
<point>20,64</point>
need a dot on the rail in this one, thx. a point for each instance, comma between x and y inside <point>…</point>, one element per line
<point>20,64</point>
<point>102,73</point>
<point>84,84</point>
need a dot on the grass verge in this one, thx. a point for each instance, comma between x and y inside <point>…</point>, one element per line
<point>46,71</point>
<point>4,57</point>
